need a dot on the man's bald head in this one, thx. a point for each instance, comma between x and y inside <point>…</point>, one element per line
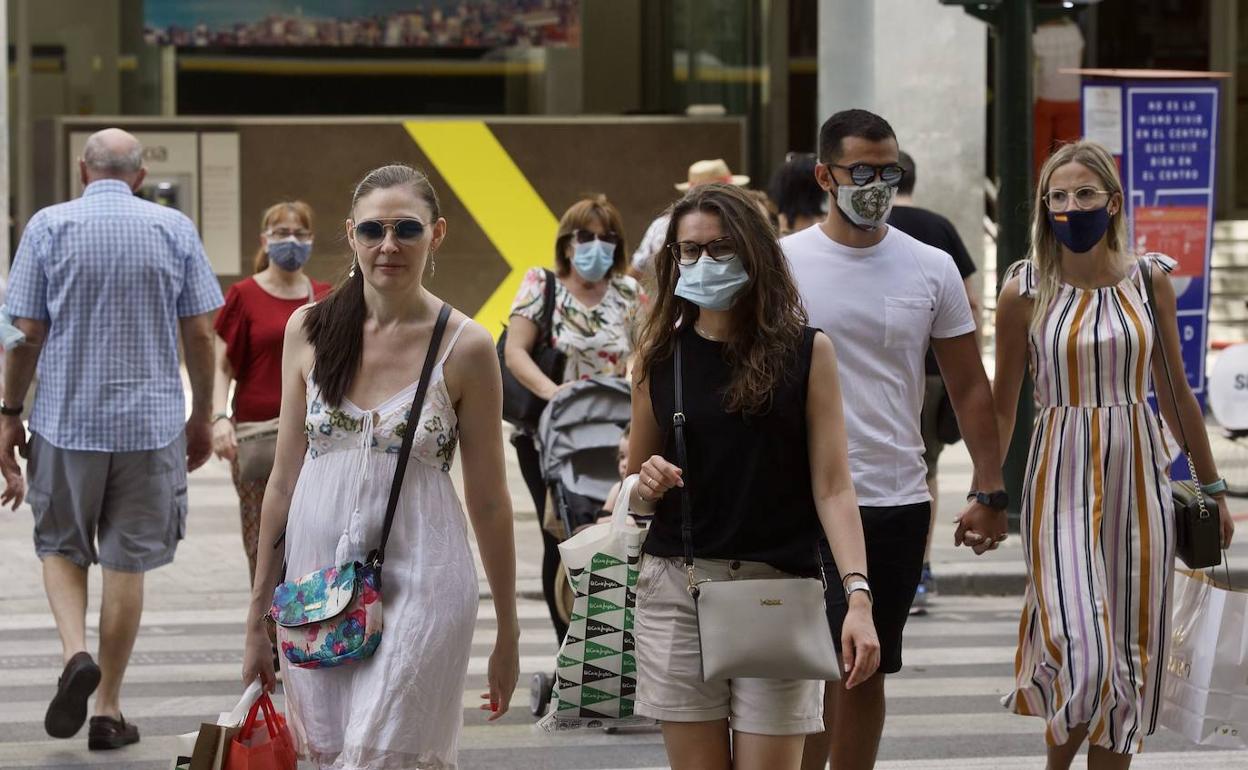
<point>112,154</point>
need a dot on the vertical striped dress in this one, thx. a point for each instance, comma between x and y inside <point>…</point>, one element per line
<point>1097,525</point>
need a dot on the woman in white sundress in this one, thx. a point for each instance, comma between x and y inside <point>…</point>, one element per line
<point>349,372</point>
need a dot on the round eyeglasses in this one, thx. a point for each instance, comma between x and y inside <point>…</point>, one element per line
<point>866,173</point>
<point>1084,198</point>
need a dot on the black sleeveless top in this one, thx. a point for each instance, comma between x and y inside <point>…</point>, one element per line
<point>748,476</point>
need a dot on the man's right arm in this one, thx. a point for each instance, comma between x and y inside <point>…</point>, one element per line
<point>20,362</point>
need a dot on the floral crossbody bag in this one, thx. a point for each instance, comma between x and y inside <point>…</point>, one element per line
<point>333,616</point>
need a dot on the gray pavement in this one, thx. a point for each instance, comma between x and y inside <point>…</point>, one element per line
<point>944,710</point>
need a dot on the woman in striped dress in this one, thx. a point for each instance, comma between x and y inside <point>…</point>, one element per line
<point>1097,521</point>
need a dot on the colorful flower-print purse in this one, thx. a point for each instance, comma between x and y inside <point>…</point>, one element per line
<point>333,616</point>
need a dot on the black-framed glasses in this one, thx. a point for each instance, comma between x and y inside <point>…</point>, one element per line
<point>687,252</point>
<point>585,236</point>
<point>866,173</point>
<point>371,232</point>
<point>282,233</point>
<point>1085,198</point>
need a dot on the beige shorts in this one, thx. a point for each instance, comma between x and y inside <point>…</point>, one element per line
<point>669,662</point>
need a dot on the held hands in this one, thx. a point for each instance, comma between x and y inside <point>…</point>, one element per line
<point>224,443</point>
<point>860,648</point>
<point>504,670</point>
<point>12,442</point>
<point>656,477</point>
<point>980,527</point>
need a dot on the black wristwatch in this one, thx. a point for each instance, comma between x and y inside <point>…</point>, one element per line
<point>998,500</point>
<point>10,411</point>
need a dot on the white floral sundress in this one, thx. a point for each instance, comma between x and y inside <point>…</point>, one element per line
<point>403,707</point>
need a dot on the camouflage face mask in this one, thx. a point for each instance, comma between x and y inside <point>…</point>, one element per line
<point>868,205</point>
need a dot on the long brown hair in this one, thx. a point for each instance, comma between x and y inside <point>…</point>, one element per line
<point>1046,253</point>
<point>335,325</point>
<point>768,315</point>
<point>274,214</point>
<point>578,217</point>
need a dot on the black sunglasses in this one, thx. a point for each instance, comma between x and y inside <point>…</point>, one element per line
<point>688,252</point>
<point>866,173</point>
<point>372,232</point>
<point>585,236</point>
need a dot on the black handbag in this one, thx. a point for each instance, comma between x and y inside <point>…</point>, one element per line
<point>1197,523</point>
<point>521,406</point>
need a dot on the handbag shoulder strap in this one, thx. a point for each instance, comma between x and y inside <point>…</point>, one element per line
<point>1146,275</point>
<point>378,557</point>
<point>548,308</point>
<point>682,457</point>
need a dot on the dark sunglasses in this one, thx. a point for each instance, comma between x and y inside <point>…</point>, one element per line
<point>688,252</point>
<point>372,232</point>
<point>865,173</point>
<point>585,236</point>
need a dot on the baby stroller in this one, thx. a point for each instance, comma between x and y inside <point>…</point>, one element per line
<point>578,439</point>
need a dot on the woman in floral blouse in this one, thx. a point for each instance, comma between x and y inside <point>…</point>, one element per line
<point>597,309</point>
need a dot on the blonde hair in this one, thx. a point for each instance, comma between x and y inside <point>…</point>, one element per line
<point>1046,252</point>
<point>274,214</point>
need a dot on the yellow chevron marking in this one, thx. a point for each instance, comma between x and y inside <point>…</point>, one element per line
<point>497,195</point>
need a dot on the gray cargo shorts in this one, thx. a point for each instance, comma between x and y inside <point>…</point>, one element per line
<point>133,504</point>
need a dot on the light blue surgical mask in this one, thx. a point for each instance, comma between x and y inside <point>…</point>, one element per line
<point>592,260</point>
<point>710,284</point>
<point>289,254</point>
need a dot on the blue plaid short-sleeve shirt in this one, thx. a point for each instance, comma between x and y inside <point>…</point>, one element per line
<point>111,274</point>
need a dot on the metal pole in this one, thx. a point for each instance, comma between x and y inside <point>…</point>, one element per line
<point>25,154</point>
<point>1013,123</point>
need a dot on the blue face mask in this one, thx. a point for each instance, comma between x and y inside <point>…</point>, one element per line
<point>1079,230</point>
<point>710,284</point>
<point>289,254</point>
<point>592,260</point>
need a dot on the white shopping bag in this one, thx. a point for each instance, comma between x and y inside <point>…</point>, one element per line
<point>596,675</point>
<point>1205,691</point>
<point>205,748</point>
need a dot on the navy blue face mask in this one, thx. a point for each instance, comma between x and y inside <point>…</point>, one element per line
<point>1078,230</point>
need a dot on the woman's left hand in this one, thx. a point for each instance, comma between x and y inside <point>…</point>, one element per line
<point>1228,524</point>
<point>504,670</point>
<point>860,647</point>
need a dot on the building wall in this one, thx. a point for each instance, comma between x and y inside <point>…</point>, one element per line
<point>922,67</point>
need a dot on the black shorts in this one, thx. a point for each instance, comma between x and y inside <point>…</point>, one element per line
<point>896,538</point>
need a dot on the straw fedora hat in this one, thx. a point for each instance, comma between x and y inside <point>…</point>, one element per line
<point>717,170</point>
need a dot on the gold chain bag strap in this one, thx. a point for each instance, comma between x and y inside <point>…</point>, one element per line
<point>760,628</point>
<point>1197,525</point>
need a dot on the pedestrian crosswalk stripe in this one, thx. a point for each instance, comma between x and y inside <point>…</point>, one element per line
<point>187,669</point>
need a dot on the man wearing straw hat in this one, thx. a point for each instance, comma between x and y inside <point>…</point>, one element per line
<point>701,172</point>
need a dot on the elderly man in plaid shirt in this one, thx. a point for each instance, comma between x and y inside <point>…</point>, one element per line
<point>101,286</point>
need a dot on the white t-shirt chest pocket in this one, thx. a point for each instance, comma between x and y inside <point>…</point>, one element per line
<point>907,322</point>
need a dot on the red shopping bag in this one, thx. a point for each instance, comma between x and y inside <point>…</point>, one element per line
<point>262,744</point>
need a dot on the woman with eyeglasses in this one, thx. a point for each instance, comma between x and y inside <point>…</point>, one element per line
<point>352,366</point>
<point>250,328</point>
<point>596,312</point>
<point>1097,518</point>
<point>767,472</point>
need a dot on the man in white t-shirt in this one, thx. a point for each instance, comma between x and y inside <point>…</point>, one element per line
<point>883,297</point>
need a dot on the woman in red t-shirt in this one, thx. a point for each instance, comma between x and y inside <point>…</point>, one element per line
<point>250,328</point>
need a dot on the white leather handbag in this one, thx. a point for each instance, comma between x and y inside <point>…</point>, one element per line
<point>757,628</point>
